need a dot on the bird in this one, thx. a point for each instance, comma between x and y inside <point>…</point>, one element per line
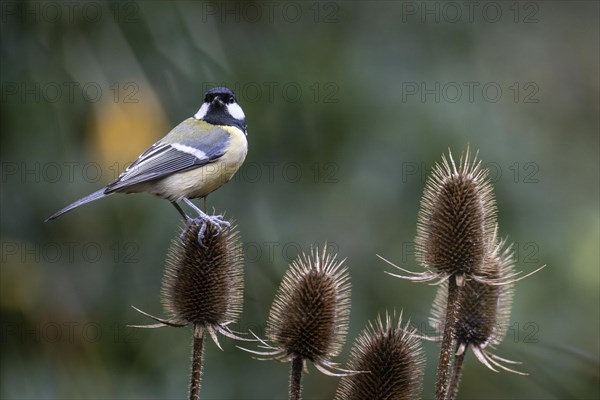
<point>194,159</point>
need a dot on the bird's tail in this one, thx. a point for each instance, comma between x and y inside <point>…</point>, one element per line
<point>91,197</point>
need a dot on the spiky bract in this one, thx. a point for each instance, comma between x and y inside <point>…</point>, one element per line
<point>392,359</point>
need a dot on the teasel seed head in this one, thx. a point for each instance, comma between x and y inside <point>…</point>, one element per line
<point>203,283</point>
<point>393,361</point>
<point>457,217</point>
<point>483,306</point>
<point>310,314</point>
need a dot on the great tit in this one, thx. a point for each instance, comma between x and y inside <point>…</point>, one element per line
<point>194,159</point>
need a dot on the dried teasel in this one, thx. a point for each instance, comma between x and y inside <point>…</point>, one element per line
<point>456,243</point>
<point>203,283</point>
<point>309,317</point>
<point>482,312</point>
<point>393,360</point>
<point>455,228</point>
<point>484,305</point>
<point>202,286</point>
<point>456,220</point>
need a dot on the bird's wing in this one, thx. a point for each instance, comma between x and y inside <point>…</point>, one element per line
<point>180,150</point>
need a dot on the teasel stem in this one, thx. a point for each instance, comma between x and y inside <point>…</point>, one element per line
<point>196,375</point>
<point>295,378</point>
<point>455,283</point>
<point>459,358</point>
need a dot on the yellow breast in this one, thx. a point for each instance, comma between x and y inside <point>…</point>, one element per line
<point>199,182</point>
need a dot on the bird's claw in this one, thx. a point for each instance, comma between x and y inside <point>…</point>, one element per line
<point>216,221</point>
<point>219,222</point>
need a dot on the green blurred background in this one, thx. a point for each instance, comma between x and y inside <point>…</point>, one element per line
<point>348,106</point>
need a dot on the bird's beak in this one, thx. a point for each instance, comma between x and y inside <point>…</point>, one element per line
<point>218,102</point>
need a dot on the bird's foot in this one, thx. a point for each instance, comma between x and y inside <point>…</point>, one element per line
<point>216,221</point>
<point>219,222</point>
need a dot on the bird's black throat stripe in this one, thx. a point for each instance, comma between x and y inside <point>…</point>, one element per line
<point>221,117</point>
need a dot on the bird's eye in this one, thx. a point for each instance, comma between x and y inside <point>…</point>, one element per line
<point>231,100</point>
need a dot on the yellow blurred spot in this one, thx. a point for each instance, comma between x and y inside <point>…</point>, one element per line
<point>122,131</point>
<point>22,276</point>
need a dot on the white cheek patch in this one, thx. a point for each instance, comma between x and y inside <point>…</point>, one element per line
<point>202,111</point>
<point>199,154</point>
<point>235,111</point>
